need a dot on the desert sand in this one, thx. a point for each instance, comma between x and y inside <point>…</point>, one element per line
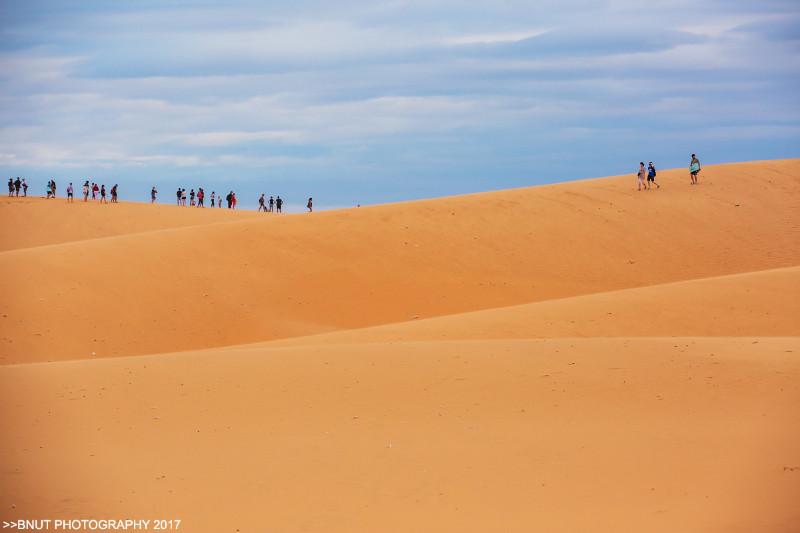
<point>571,357</point>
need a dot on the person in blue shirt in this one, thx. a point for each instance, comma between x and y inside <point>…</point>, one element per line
<point>651,176</point>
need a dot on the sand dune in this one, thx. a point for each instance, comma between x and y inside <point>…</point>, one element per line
<point>268,278</point>
<point>40,222</point>
<point>576,357</point>
<point>562,435</point>
<point>757,303</point>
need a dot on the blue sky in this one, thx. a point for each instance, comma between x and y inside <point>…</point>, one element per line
<point>367,102</point>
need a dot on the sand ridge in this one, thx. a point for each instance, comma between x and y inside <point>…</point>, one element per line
<point>574,357</point>
<point>40,222</point>
<point>277,277</point>
<point>739,305</point>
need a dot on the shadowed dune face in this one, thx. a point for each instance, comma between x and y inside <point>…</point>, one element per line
<point>268,278</point>
<point>677,411</point>
<point>40,222</point>
<point>756,303</point>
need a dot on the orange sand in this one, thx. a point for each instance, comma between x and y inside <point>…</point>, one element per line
<point>39,222</point>
<point>576,357</point>
<point>275,277</point>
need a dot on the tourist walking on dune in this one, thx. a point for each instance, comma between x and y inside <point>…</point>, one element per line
<point>70,197</point>
<point>694,169</point>
<point>201,194</point>
<point>310,204</point>
<point>642,176</point>
<point>183,197</point>
<point>95,191</point>
<point>86,191</point>
<point>10,187</point>
<point>178,195</point>
<point>191,198</point>
<point>213,196</point>
<point>103,194</point>
<point>17,186</point>
<point>228,198</point>
<point>24,187</point>
<point>53,188</point>
<point>233,200</point>
<point>114,194</point>
<point>261,203</point>
<point>651,175</point>
<point>278,204</point>
<point>153,193</point>
<point>271,203</point>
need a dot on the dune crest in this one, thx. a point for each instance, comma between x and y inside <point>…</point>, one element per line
<point>575,357</point>
<point>266,278</point>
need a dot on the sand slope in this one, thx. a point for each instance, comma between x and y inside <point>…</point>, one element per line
<point>563,435</point>
<point>755,303</point>
<point>270,277</point>
<point>39,222</point>
<point>567,358</point>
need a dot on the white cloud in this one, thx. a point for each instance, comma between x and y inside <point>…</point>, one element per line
<point>345,88</point>
<point>225,138</point>
<point>491,38</point>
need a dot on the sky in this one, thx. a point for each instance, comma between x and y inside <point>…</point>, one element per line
<point>369,102</point>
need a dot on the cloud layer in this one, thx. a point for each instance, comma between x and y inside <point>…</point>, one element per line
<point>358,102</point>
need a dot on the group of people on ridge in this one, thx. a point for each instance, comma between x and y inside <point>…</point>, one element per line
<point>647,175</point>
<point>197,199</point>
<point>15,185</point>
<point>273,204</point>
<point>97,191</point>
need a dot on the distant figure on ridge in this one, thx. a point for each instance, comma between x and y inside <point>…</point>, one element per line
<point>53,187</point>
<point>114,194</point>
<point>103,194</point>
<point>642,176</point>
<point>17,185</point>
<point>213,196</point>
<point>651,175</point>
<point>271,203</point>
<point>183,197</point>
<point>95,190</point>
<point>310,204</point>
<point>24,187</point>
<point>229,198</point>
<point>86,191</point>
<point>70,197</point>
<point>694,169</point>
<point>233,200</point>
<point>10,187</point>
<point>153,193</point>
<point>191,198</point>
<point>278,204</point>
<point>201,194</point>
<point>261,203</point>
